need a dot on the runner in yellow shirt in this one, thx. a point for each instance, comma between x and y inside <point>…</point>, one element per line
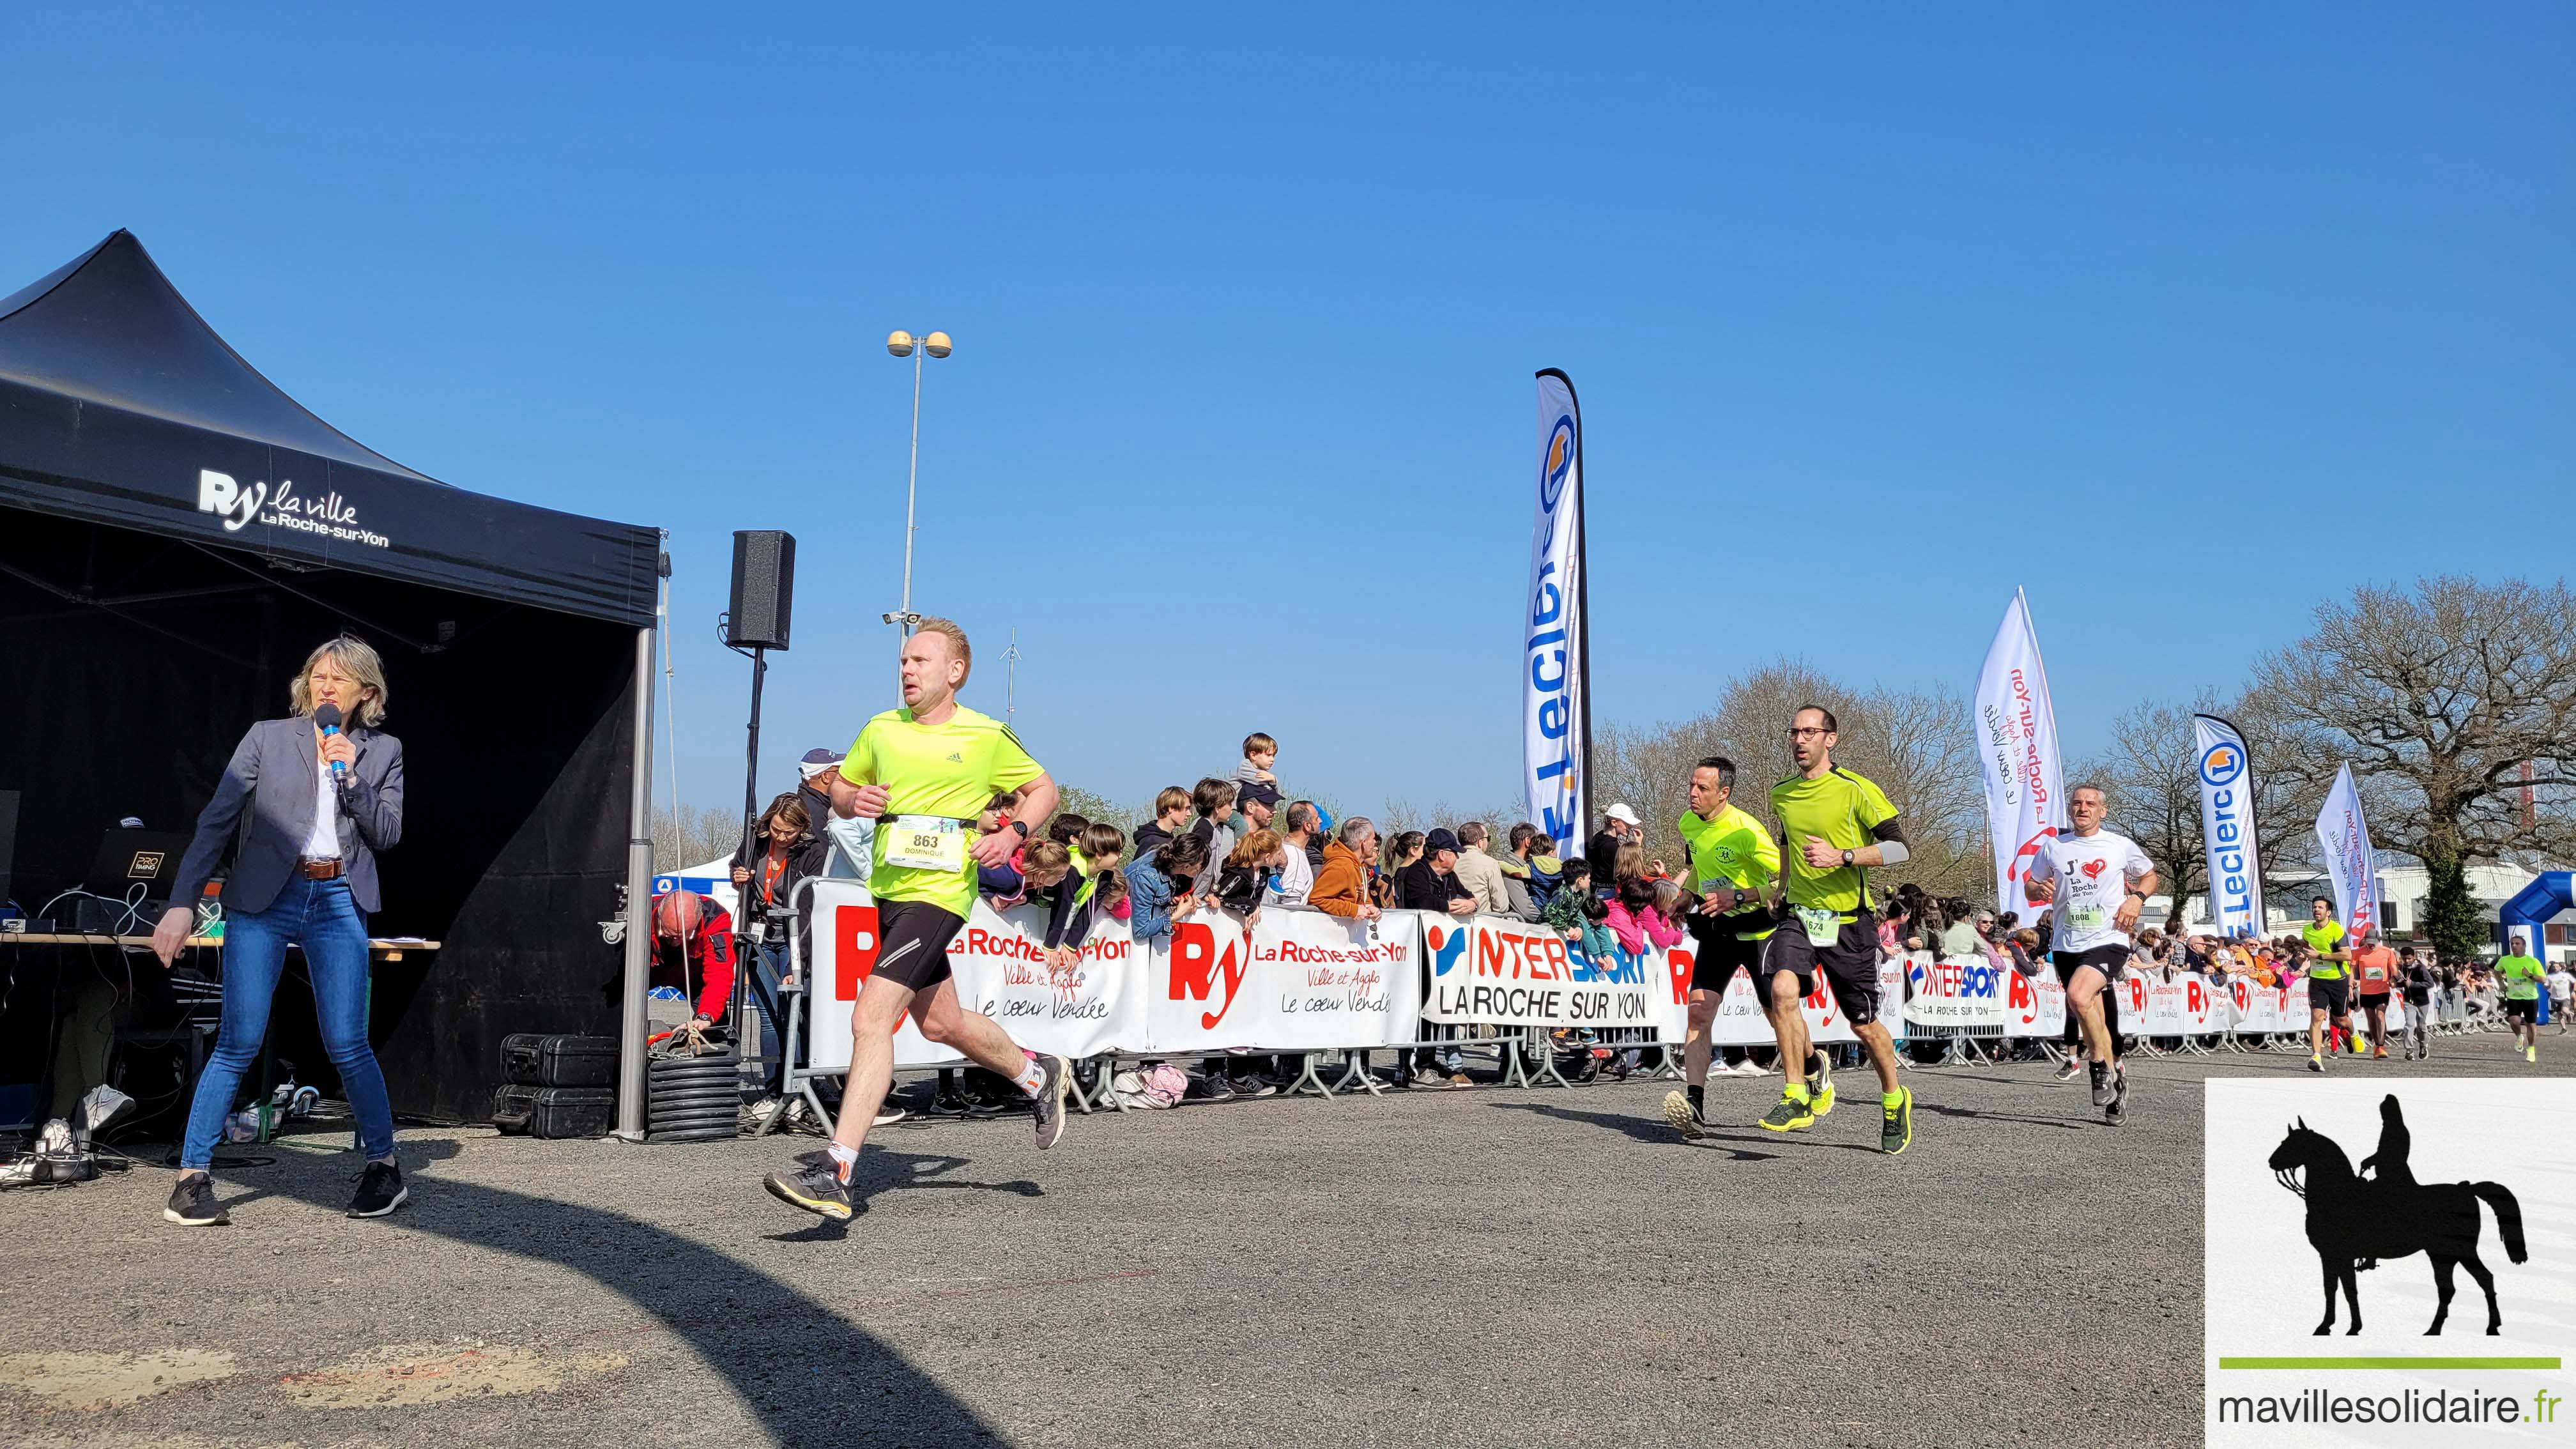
<point>2522,977</point>
<point>1733,861</point>
<point>2329,995</point>
<point>925,774</point>
<point>1834,825</point>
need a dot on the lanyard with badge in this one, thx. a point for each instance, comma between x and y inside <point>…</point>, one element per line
<point>925,842</point>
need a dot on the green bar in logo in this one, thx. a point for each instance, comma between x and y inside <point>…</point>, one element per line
<point>2388,1363</point>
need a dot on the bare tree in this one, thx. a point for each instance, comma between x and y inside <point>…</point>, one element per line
<point>1917,744</point>
<point>2450,702</point>
<point>700,833</point>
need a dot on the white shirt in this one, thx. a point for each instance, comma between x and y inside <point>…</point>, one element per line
<point>324,843</point>
<point>2093,874</point>
<point>2560,983</point>
<point>1296,878</point>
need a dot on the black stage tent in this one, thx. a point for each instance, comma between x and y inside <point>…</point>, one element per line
<point>176,534</point>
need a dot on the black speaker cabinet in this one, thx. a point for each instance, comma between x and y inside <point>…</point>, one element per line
<point>764,584</point>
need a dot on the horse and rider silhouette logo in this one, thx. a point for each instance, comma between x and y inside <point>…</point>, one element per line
<point>2358,1219</point>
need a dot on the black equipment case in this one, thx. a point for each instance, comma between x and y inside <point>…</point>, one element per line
<point>533,1059</point>
<point>554,1111</point>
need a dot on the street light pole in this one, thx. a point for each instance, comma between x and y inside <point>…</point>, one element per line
<point>902,344</point>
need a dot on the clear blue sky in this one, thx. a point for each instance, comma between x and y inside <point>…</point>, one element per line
<point>2182,319</point>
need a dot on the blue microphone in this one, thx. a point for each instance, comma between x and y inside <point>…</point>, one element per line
<point>327,716</point>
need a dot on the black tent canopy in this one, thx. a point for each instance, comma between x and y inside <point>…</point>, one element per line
<point>176,533</point>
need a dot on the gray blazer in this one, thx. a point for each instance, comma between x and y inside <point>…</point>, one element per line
<point>272,769</point>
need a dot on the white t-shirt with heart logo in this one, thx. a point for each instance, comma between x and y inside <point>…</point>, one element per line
<point>2093,874</point>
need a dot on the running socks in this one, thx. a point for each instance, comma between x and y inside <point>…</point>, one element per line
<point>1890,1099</point>
<point>1032,1077</point>
<point>843,1159</point>
<point>1698,1097</point>
<point>1797,1092</point>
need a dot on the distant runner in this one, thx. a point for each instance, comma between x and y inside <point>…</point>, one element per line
<point>2096,883</point>
<point>2328,992</point>
<point>925,773</point>
<point>1833,826</point>
<point>2522,978</point>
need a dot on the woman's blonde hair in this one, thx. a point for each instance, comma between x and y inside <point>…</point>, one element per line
<point>357,659</point>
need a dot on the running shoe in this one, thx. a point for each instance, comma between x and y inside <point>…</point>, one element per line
<point>1685,1119</point>
<point>2352,1042</point>
<point>2102,1088</point>
<point>887,1116</point>
<point>380,1191</point>
<point>1896,1123</point>
<point>2316,1063</point>
<point>193,1205</point>
<point>1787,1115</point>
<point>815,1187</point>
<point>2118,1109</point>
<point>1425,1077</point>
<point>1820,1081</point>
<point>1055,1083</point>
<point>2072,1068</point>
<point>2379,1054</point>
<point>1213,1088</point>
<point>2531,1054</point>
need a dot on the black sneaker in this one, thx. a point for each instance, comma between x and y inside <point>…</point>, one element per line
<point>1213,1088</point>
<point>814,1186</point>
<point>380,1191</point>
<point>2117,1110</point>
<point>2102,1087</point>
<point>1049,1105</point>
<point>193,1205</point>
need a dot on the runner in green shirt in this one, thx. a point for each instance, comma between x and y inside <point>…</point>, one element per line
<point>1833,826</point>
<point>1733,861</point>
<point>2522,976</point>
<point>2329,995</point>
<point>925,774</point>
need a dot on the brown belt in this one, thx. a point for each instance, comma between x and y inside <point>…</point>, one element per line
<point>319,869</point>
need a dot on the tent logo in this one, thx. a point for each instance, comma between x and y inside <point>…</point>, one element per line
<point>330,515</point>
<point>218,494</point>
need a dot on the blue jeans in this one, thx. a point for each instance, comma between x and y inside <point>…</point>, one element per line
<point>320,915</point>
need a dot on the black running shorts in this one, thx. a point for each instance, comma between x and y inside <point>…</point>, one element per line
<point>1721,953</point>
<point>2334,997</point>
<point>2525,1010</point>
<point>1850,966</point>
<point>2106,959</point>
<point>912,943</point>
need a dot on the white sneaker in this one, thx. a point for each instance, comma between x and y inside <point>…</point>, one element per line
<point>1744,1068</point>
<point>888,1116</point>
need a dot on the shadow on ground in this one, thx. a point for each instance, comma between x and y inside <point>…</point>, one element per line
<point>813,1379</point>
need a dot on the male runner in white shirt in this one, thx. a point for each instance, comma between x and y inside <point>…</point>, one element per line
<point>2096,883</point>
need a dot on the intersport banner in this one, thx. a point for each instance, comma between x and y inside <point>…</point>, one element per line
<point>2227,825</point>
<point>1556,715</point>
<point>1492,970</point>
<point>2017,751</point>
<point>2345,838</point>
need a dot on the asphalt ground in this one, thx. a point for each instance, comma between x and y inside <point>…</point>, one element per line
<point>1446,1269</point>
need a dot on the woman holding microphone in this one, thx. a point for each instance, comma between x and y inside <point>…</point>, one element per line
<point>324,788</point>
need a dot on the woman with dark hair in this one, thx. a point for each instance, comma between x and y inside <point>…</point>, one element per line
<point>323,789</point>
<point>1403,850</point>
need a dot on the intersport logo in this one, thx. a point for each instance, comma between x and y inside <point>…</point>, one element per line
<point>238,507</point>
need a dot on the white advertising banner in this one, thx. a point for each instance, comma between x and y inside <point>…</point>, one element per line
<point>1298,981</point>
<point>2017,751</point>
<point>1555,695</point>
<point>1741,1022</point>
<point>2345,838</point>
<point>2227,826</point>
<point>2035,1008</point>
<point>1080,1009</point>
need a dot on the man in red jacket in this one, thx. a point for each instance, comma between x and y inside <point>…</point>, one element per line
<point>693,944</point>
